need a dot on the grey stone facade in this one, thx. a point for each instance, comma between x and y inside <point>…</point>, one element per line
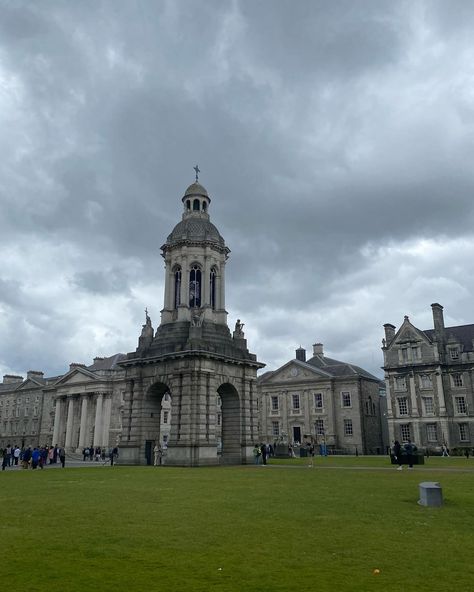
<point>430,383</point>
<point>334,402</point>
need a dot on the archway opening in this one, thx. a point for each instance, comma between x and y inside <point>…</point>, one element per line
<point>230,428</point>
<point>157,424</point>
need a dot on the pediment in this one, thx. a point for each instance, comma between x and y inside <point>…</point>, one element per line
<point>408,333</point>
<point>295,371</point>
<point>29,384</point>
<point>76,376</point>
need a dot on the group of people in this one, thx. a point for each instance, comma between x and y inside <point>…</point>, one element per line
<point>406,452</point>
<point>100,453</point>
<point>262,452</point>
<point>32,457</point>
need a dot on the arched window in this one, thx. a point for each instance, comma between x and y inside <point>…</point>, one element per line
<point>177,287</point>
<point>203,206</point>
<point>196,205</point>
<point>195,287</point>
<point>212,287</point>
<point>188,204</point>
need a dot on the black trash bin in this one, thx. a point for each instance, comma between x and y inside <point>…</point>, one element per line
<point>303,452</point>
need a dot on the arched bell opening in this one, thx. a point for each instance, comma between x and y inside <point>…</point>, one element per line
<point>230,424</point>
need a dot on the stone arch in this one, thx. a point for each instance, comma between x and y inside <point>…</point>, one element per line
<point>230,424</point>
<point>157,417</point>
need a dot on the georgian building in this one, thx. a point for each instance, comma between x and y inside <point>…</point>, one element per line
<point>335,402</point>
<point>429,376</point>
<point>78,409</point>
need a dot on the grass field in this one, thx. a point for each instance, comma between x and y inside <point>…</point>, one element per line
<point>277,528</point>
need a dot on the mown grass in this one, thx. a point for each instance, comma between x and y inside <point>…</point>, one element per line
<point>286,527</point>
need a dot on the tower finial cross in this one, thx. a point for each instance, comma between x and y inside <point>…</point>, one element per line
<point>198,170</point>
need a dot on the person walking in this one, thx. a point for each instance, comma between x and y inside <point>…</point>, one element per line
<point>4,459</point>
<point>16,455</point>
<point>397,454</point>
<point>62,457</point>
<point>444,450</point>
<point>410,449</point>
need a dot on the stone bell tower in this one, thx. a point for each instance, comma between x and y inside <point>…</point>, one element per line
<point>192,360</point>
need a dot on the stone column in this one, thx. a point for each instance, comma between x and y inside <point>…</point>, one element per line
<point>98,421</point>
<point>57,422</point>
<point>69,424</point>
<point>222,287</point>
<point>83,436</point>
<point>106,420</point>
<point>206,291</point>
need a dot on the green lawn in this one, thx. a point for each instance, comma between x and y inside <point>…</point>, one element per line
<point>280,528</point>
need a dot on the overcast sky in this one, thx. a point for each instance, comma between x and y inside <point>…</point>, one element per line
<point>334,138</point>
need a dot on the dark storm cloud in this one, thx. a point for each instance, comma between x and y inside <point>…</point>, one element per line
<point>334,140</point>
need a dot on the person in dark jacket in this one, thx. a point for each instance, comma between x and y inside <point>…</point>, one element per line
<point>409,450</point>
<point>397,454</point>
<point>62,456</point>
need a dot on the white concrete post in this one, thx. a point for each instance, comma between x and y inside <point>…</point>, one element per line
<point>106,420</point>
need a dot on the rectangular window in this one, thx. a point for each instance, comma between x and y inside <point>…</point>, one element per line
<point>404,355</point>
<point>402,406</point>
<point>17,412</point>
<point>165,416</point>
<point>319,427</point>
<point>416,353</point>
<point>431,432</point>
<point>463,432</point>
<point>275,404</point>
<point>428,404</point>
<point>348,427</point>
<point>461,404</point>
<point>26,411</point>
<point>296,402</point>
<point>400,383</point>
<point>405,432</point>
<point>275,428</point>
<point>426,381</point>
<point>346,399</point>
<point>454,353</point>
<point>457,379</point>
<point>35,411</point>
<point>318,400</point>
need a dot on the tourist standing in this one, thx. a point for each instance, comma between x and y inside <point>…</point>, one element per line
<point>256,453</point>
<point>16,455</point>
<point>62,457</point>
<point>397,454</point>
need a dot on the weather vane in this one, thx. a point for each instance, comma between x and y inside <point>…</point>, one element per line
<point>198,170</point>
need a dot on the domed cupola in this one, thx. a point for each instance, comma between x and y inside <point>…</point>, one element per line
<point>195,255</point>
<point>196,201</point>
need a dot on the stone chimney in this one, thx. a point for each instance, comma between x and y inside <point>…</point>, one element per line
<point>73,365</point>
<point>301,354</point>
<point>438,318</point>
<point>12,378</point>
<point>35,374</point>
<point>98,359</point>
<point>318,349</point>
<point>389,332</point>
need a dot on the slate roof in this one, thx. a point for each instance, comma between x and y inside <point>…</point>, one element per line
<point>463,333</point>
<point>109,363</point>
<point>338,369</point>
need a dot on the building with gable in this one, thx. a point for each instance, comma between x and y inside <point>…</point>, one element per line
<point>429,377</point>
<point>337,403</point>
